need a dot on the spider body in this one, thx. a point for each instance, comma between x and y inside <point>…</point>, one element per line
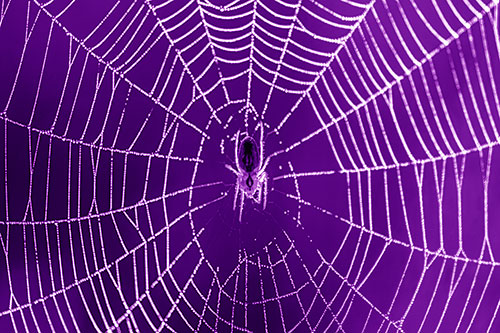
<point>249,158</point>
<point>251,178</point>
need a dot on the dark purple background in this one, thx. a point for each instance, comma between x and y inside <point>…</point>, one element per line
<point>381,120</point>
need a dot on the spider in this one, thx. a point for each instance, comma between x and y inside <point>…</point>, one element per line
<point>250,171</point>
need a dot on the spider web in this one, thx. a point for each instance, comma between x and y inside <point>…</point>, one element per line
<point>381,117</point>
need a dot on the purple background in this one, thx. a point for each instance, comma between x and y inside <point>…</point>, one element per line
<point>381,120</point>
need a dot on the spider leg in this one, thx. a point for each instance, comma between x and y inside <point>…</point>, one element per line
<point>236,144</point>
<point>259,195</point>
<point>241,203</point>
<point>264,184</point>
<point>264,166</point>
<point>237,190</point>
<point>261,153</point>
<point>231,169</point>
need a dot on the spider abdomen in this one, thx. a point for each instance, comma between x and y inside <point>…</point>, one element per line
<point>248,154</point>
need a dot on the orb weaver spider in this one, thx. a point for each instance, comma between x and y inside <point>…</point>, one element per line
<point>250,171</point>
